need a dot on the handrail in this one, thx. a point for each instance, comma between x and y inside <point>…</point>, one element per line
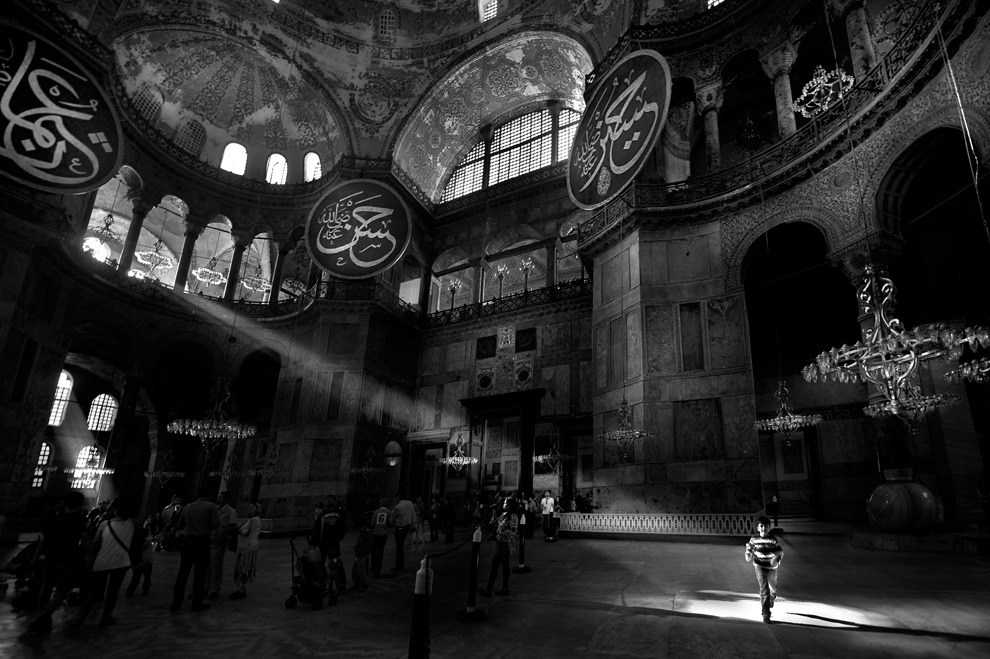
<point>568,290</point>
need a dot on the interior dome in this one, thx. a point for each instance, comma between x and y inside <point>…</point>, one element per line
<point>254,96</point>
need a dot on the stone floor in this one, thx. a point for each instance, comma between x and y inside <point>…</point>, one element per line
<point>593,598</point>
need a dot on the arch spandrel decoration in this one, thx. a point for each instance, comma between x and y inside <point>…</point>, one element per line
<point>516,73</point>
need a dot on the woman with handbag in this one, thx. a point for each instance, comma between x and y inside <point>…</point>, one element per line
<point>506,532</point>
<point>247,552</point>
<point>110,559</point>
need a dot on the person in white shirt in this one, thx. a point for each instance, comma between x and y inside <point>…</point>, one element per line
<point>546,508</point>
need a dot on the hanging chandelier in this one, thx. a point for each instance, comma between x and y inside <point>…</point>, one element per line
<point>824,90</point>
<point>369,471</point>
<point>624,436</point>
<point>786,422</point>
<point>256,282</point>
<point>977,370</point>
<point>210,275</point>
<point>553,459</point>
<point>216,427</point>
<point>154,258</point>
<point>459,458</point>
<point>888,357</point>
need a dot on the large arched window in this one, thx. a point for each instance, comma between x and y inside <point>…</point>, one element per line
<point>488,9</point>
<point>312,167</point>
<point>523,145</point>
<point>234,159</point>
<point>102,413</point>
<point>40,470</point>
<point>86,462</point>
<point>62,393</point>
<point>277,169</point>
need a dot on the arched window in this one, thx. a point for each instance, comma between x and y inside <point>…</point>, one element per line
<point>149,102</point>
<point>40,471</point>
<point>523,145</point>
<point>87,460</point>
<point>102,413</point>
<point>62,393</point>
<point>276,170</point>
<point>312,167</point>
<point>191,137</point>
<point>488,9</point>
<point>714,3</point>
<point>386,23</point>
<point>234,159</point>
<point>96,248</point>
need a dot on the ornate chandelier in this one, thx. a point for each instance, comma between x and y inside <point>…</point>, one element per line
<point>459,457</point>
<point>888,356</point>
<point>210,275</point>
<point>786,422</point>
<point>624,436</point>
<point>823,91</point>
<point>256,282</point>
<point>216,427</point>
<point>154,258</point>
<point>553,459</point>
<point>977,370</point>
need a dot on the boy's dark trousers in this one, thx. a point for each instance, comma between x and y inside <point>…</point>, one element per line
<point>767,579</point>
<point>377,554</point>
<point>142,570</point>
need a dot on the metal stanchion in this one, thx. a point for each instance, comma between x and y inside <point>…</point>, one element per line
<point>522,568</point>
<point>472,613</point>
<point>419,637</point>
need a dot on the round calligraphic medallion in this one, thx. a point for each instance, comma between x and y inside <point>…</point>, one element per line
<point>619,129</point>
<point>58,132</point>
<point>358,229</point>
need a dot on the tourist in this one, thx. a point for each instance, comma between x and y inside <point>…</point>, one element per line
<point>506,530</point>
<point>247,552</point>
<point>764,552</point>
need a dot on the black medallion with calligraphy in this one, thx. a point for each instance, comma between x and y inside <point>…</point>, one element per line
<point>619,129</point>
<point>58,131</point>
<point>358,229</point>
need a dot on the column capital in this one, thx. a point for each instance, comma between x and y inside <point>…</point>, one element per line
<point>842,8</point>
<point>779,60</point>
<point>242,238</point>
<point>710,97</point>
<point>142,201</point>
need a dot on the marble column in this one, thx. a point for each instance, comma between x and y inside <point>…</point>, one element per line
<point>140,209</point>
<point>193,232</point>
<point>859,33</point>
<point>241,243</point>
<point>709,101</point>
<point>777,65</point>
<point>277,272</point>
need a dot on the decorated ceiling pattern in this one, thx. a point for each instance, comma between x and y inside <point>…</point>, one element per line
<point>510,77</point>
<point>238,93</point>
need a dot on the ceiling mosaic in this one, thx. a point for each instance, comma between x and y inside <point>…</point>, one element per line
<point>238,93</point>
<point>498,83</point>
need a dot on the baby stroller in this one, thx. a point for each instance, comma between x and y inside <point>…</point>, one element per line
<point>26,572</point>
<point>310,580</point>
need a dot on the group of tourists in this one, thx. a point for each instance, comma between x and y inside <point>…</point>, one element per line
<point>93,553</point>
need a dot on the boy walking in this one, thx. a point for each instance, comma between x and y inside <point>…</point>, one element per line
<point>765,553</point>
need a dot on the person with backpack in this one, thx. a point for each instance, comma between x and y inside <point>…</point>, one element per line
<point>379,531</point>
<point>111,560</point>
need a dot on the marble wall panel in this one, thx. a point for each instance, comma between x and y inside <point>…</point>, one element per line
<point>611,279</point>
<point>343,338</point>
<point>698,429</point>
<point>458,354</point>
<point>321,396</point>
<point>562,390</point>
<point>429,363</point>
<point>738,414</point>
<point>726,336</point>
<point>691,337</point>
<point>584,334</point>
<point>585,387</point>
<point>453,412</point>
<point>659,341</point>
<point>844,441</point>
<point>352,396</point>
<point>373,398</point>
<point>689,259</point>
<point>601,355</point>
<point>325,460</point>
<point>634,344</point>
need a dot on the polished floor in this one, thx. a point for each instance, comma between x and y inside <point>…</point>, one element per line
<point>590,598</point>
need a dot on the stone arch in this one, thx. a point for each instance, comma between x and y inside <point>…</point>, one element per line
<point>826,222</point>
<point>513,236</point>
<point>449,258</point>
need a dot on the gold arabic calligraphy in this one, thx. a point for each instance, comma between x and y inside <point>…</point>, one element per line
<point>361,230</point>
<point>613,116</point>
<point>39,98</point>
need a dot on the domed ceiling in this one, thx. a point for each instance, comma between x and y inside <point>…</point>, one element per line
<point>502,81</point>
<point>247,94</point>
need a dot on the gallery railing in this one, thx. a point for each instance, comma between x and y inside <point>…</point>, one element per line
<point>564,291</point>
<point>741,524</point>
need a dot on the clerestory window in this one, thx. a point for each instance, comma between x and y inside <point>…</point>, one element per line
<point>62,393</point>
<point>40,470</point>
<point>523,145</point>
<point>277,169</point>
<point>234,159</point>
<point>102,413</point>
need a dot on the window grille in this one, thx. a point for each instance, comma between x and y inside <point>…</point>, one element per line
<point>102,413</point>
<point>277,169</point>
<point>234,159</point>
<point>714,3</point>
<point>148,103</point>
<point>191,137</point>
<point>87,459</point>
<point>312,166</point>
<point>386,23</point>
<point>489,10</point>
<point>62,393</point>
<point>44,456</point>
<point>468,177</point>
